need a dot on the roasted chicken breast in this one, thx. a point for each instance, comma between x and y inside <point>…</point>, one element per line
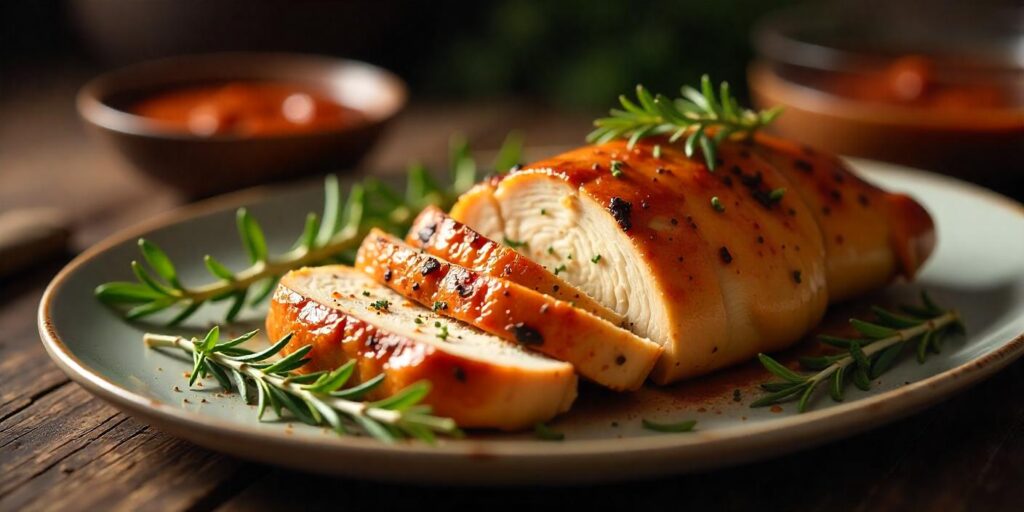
<point>599,350</point>
<point>715,266</point>
<point>477,379</point>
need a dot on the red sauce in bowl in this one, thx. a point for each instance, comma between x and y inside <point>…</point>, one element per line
<point>246,109</point>
<point>913,81</point>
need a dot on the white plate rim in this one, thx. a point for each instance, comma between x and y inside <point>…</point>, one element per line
<point>729,444</point>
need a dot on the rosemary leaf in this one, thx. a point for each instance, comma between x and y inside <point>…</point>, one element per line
<point>220,347</point>
<point>405,398</point>
<point>871,330</point>
<point>780,370</point>
<point>545,433</point>
<point>119,292</point>
<point>145,278</point>
<point>236,305</point>
<point>217,269</point>
<point>836,383</point>
<point>159,261</point>
<point>357,392</point>
<point>894,320</point>
<point>682,426</point>
<point>267,352</point>
<point>252,236</point>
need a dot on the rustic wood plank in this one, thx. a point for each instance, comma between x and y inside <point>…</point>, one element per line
<point>72,451</point>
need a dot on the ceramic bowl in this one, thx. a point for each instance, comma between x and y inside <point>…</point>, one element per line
<point>204,165</point>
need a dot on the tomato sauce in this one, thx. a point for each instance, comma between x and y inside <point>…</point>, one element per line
<point>246,109</point>
<point>913,81</point>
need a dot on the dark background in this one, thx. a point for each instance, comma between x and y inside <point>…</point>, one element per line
<point>575,54</point>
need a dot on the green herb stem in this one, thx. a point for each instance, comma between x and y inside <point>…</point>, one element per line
<point>865,358</point>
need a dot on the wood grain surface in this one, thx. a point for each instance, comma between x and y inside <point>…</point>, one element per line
<point>62,449</point>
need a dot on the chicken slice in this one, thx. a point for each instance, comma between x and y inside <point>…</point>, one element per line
<point>599,350</point>
<point>438,234</point>
<point>477,379</point>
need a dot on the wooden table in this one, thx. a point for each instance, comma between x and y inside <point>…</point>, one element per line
<point>62,449</point>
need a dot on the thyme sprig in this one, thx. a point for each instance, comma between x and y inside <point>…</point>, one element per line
<point>702,116</point>
<point>318,398</point>
<point>333,235</point>
<point>864,358</point>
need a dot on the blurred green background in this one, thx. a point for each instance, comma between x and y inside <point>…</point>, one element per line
<point>575,54</point>
<point>580,53</point>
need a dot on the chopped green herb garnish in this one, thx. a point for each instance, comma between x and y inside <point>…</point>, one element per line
<point>381,305</point>
<point>551,250</point>
<point>418,320</point>
<point>514,243</point>
<point>596,258</point>
<point>543,211</point>
<point>440,305</point>
<point>682,426</point>
<point>776,195</point>
<point>544,432</point>
<point>560,268</point>
<point>616,168</point>
<point>442,332</point>
<point>717,204</point>
<point>366,293</point>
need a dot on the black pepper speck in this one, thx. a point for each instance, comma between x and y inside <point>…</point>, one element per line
<point>723,252</point>
<point>430,266</point>
<point>525,334</point>
<point>622,211</point>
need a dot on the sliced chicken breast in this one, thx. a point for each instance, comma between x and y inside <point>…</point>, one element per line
<point>477,379</point>
<point>438,234</point>
<point>716,266</point>
<point>599,350</point>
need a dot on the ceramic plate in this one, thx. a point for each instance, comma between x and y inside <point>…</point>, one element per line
<point>977,269</point>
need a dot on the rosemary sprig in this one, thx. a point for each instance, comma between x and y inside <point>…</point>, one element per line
<point>333,235</point>
<point>704,118</point>
<point>865,358</point>
<point>318,398</point>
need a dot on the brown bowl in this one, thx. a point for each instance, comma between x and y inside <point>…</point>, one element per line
<point>204,165</point>
<point>805,52</point>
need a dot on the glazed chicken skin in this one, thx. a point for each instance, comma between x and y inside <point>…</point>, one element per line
<point>870,235</point>
<point>715,266</point>
<point>476,379</point>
